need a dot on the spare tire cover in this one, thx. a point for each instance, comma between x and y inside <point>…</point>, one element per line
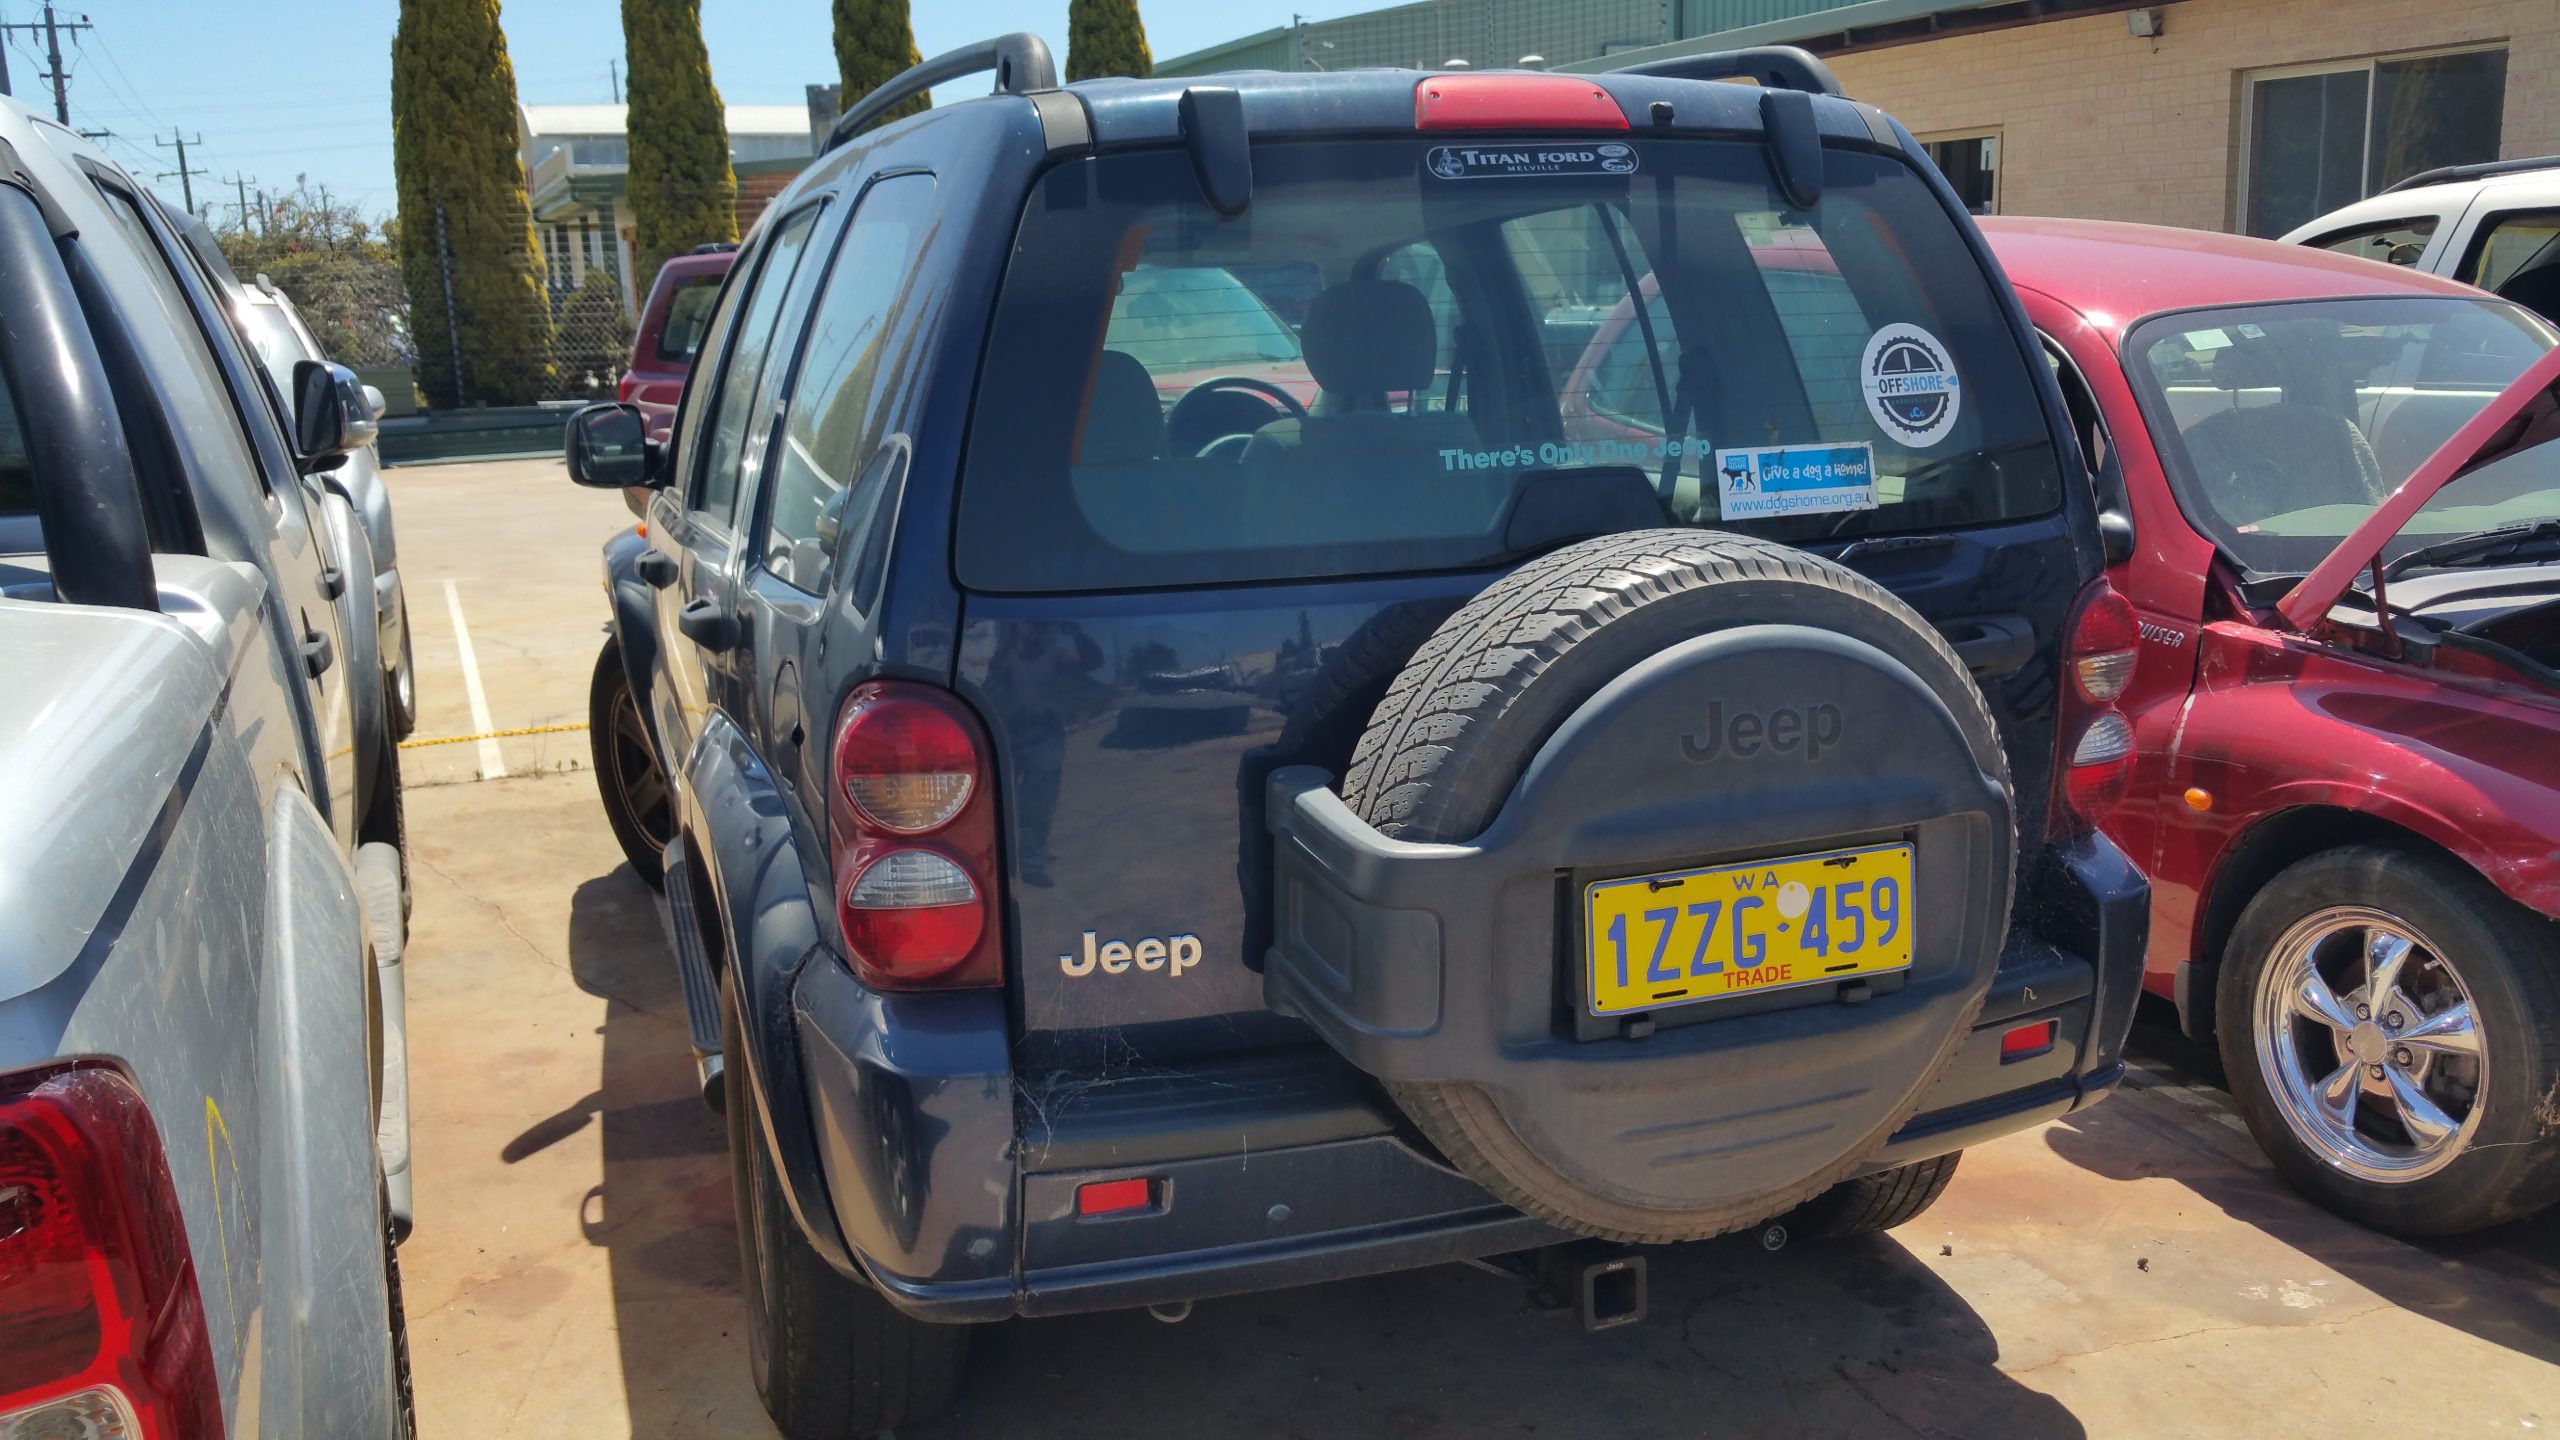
<point>1545,670</point>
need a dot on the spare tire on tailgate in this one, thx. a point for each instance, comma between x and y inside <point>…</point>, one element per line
<point>1747,700</point>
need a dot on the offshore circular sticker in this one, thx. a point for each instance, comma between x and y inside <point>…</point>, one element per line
<point>1911,385</point>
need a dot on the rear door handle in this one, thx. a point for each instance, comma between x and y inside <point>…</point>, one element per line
<point>1991,644</point>
<point>657,567</point>
<point>707,625</point>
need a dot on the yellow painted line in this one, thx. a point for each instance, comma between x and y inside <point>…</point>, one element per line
<point>493,735</point>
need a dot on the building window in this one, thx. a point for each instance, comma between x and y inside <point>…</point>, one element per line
<point>602,150</point>
<point>1971,164</point>
<point>2322,137</point>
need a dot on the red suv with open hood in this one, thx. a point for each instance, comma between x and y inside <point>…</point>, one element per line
<point>2339,533</point>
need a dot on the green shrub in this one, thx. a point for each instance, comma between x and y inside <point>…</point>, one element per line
<point>1105,37</point>
<point>465,227</point>
<point>682,191</point>
<point>874,41</point>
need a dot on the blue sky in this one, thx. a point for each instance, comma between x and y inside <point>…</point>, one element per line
<point>279,89</point>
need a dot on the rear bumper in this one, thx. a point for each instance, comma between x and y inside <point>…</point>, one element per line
<point>1273,1171</point>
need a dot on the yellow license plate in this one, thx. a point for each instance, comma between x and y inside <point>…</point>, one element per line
<point>1670,939</point>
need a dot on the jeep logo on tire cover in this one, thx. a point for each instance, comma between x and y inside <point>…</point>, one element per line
<point>1786,730</point>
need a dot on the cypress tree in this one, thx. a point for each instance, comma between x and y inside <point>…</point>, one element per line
<point>682,190</point>
<point>874,41</point>
<point>464,218</point>
<point>1105,37</point>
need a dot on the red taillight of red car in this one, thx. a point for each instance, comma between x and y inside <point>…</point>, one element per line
<point>102,1331</point>
<point>913,822</point>
<point>2097,739</point>
<point>623,386</point>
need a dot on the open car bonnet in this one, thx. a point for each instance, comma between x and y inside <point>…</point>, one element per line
<point>2524,415</point>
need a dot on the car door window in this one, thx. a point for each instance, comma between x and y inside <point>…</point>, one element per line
<point>2398,242</point>
<point>839,408</point>
<point>2511,244</point>
<point>176,322</point>
<point>734,408</point>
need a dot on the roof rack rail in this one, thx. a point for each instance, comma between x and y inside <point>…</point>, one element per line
<point>1776,67</point>
<point>1020,61</point>
<point>2443,174</point>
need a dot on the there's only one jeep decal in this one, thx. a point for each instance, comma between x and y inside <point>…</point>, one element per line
<point>1172,955</point>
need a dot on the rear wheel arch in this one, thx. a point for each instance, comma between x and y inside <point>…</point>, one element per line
<point>2265,850</point>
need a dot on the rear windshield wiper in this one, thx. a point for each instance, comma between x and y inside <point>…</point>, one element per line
<point>2480,547</point>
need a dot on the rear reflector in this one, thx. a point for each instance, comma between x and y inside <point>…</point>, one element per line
<point>2027,1041</point>
<point>1514,102</point>
<point>1115,1197</point>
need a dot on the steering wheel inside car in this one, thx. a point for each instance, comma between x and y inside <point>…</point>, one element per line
<point>1217,411</point>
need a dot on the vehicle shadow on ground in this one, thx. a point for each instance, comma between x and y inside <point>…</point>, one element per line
<point>2501,1285</point>
<point>662,1211</point>
<point>1851,1338</point>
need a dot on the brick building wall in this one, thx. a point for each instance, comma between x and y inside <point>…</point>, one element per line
<point>2097,123</point>
<point>755,192</point>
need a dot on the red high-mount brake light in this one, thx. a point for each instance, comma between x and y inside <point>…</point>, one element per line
<point>2097,740</point>
<point>102,1330</point>
<point>912,824</point>
<point>1514,102</point>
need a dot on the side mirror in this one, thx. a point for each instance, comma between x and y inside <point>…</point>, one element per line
<point>330,417</point>
<point>373,401</point>
<point>2115,536</point>
<point>608,448</point>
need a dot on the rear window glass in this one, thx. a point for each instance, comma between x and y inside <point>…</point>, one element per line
<point>1400,358</point>
<point>688,315</point>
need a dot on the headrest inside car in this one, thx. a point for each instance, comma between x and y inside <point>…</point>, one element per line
<point>1124,423</point>
<point>1363,338</point>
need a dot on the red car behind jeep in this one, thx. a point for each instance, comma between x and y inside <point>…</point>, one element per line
<point>2338,531</point>
<point>671,327</point>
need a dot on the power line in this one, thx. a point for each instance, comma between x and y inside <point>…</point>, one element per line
<point>184,174</point>
<point>60,78</point>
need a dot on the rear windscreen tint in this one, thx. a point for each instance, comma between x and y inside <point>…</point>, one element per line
<point>1400,358</point>
<point>688,312</point>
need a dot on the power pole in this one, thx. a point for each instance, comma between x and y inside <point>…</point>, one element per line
<point>53,31</point>
<point>612,69</point>
<point>185,174</point>
<point>240,186</point>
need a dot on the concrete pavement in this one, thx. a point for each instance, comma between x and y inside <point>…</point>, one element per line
<point>2133,1271</point>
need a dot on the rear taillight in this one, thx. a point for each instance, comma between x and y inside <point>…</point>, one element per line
<point>102,1331</point>
<point>913,825</point>
<point>623,387</point>
<point>1514,102</point>
<point>2097,739</point>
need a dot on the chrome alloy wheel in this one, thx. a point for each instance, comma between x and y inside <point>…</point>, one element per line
<point>2366,1038</point>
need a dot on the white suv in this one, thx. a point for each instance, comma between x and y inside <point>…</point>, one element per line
<point>2494,225</point>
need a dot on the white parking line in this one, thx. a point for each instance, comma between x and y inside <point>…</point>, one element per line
<point>493,766</point>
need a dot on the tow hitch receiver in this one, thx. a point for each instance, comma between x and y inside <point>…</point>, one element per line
<point>1603,1284</point>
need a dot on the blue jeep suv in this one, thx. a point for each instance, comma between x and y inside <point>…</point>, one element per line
<point>1240,681</point>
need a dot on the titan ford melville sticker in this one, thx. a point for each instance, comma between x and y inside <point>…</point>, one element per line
<point>1795,480</point>
<point>1480,162</point>
<point>1911,385</point>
